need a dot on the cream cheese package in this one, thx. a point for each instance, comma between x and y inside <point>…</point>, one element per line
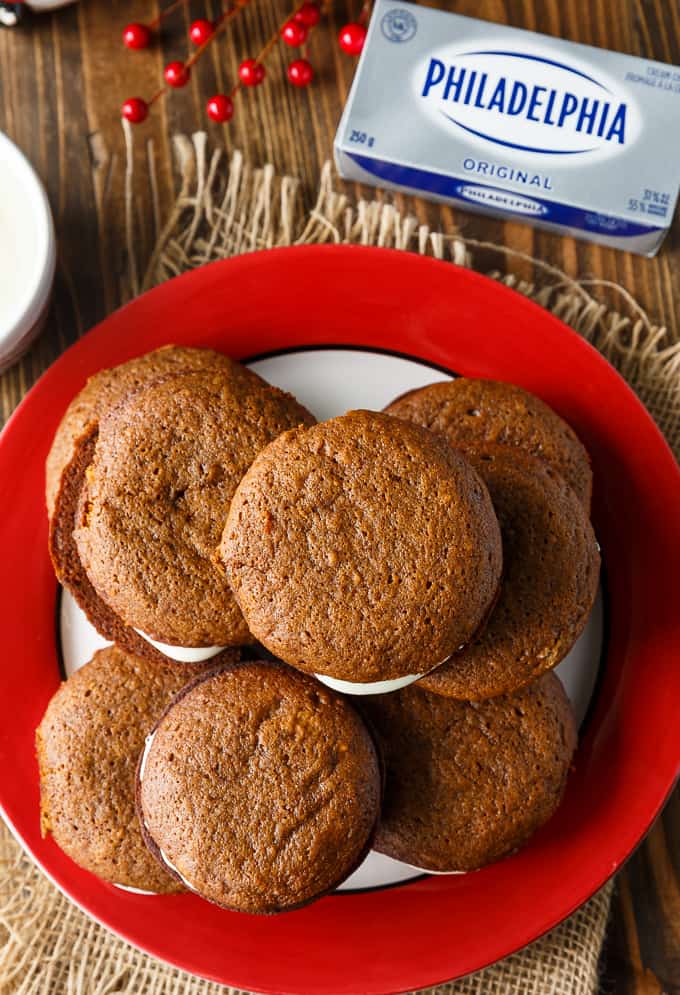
<point>515,124</point>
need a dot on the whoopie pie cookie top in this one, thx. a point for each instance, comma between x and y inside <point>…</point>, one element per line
<point>167,461</point>
<point>470,413</point>
<point>467,783</point>
<point>259,788</point>
<point>363,549</point>
<point>88,745</point>
<point>105,389</point>
<point>551,566</point>
<point>70,573</point>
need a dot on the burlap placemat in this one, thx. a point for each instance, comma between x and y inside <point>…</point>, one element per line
<point>225,207</point>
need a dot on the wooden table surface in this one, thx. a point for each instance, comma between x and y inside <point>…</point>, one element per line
<point>62,80</point>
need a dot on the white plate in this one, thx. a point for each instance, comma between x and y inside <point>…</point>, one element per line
<point>330,382</point>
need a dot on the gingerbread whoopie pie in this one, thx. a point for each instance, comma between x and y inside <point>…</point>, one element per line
<point>470,413</point>
<point>364,550</point>
<point>71,453</point>
<point>468,783</point>
<point>88,746</point>
<point>70,571</point>
<point>152,502</point>
<point>259,789</point>
<point>551,566</point>
<point>105,389</point>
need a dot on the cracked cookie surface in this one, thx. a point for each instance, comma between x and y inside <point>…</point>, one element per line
<point>471,413</point>
<point>468,783</point>
<point>363,548</point>
<point>260,787</point>
<point>551,567</point>
<point>88,744</point>
<point>108,387</point>
<point>166,464</point>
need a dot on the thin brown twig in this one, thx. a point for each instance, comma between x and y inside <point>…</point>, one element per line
<point>269,44</point>
<point>267,47</point>
<point>168,10</point>
<point>219,25</point>
<point>156,96</point>
<point>364,13</point>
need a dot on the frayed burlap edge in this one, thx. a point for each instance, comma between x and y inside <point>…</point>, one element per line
<point>225,207</point>
<point>49,947</point>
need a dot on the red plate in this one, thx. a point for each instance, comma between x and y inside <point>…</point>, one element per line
<point>435,928</point>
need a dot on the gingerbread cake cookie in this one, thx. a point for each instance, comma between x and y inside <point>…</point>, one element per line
<point>363,549</point>
<point>550,579</point>
<point>166,463</point>
<point>88,746</point>
<point>470,413</point>
<point>105,389</point>
<point>71,575</point>
<point>259,789</point>
<point>468,783</point>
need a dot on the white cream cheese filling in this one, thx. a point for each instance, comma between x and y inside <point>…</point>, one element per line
<point>169,864</point>
<point>142,766</point>
<point>133,891</point>
<point>183,654</point>
<point>426,870</point>
<point>128,887</point>
<point>374,687</point>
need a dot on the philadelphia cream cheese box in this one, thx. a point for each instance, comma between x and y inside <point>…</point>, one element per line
<point>495,119</point>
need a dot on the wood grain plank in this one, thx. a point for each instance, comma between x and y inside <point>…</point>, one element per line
<point>624,972</point>
<point>642,953</point>
<point>61,84</point>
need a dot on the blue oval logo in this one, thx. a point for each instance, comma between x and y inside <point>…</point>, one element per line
<point>526,102</point>
<point>504,200</point>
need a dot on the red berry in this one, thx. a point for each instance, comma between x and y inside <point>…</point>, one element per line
<point>300,73</point>
<point>251,73</point>
<point>135,110</point>
<point>201,30</point>
<point>220,108</point>
<point>176,74</point>
<point>294,33</point>
<point>308,14</point>
<point>352,38</point>
<point>136,36</point>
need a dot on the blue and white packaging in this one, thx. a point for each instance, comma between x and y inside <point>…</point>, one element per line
<point>515,124</point>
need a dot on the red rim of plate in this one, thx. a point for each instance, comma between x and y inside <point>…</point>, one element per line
<point>436,928</point>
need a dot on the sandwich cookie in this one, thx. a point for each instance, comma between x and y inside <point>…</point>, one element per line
<point>468,783</point>
<point>88,745</point>
<point>71,453</point>
<point>473,413</point>
<point>364,550</point>
<point>259,789</point>
<point>105,389</point>
<point>154,499</point>
<point>551,570</point>
<point>70,572</point>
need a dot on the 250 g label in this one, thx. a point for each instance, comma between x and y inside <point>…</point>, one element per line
<point>362,138</point>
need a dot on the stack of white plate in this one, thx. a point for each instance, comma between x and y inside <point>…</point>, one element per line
<point>27,253</point>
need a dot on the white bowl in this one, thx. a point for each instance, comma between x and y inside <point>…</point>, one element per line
<point>27,253</point>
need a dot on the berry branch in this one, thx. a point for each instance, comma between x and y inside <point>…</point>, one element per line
<point>293,30</point>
